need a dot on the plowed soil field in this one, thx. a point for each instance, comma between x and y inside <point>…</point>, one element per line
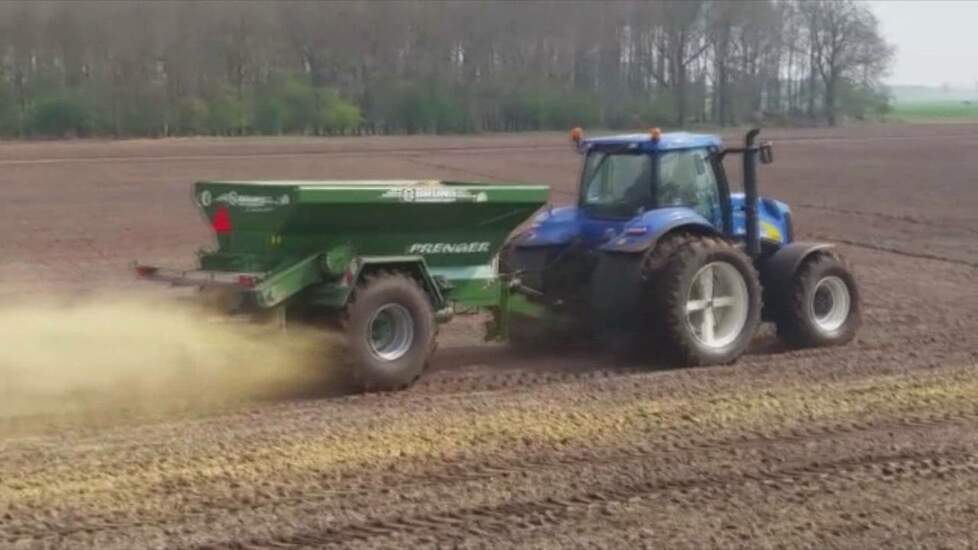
<point>872,445</point>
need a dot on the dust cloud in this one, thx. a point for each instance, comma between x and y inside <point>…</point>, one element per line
<point>148,354</point>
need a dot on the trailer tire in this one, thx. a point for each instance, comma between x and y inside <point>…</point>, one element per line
<point>390,330</point>
<point>677,303</point>
<point>822,307</point>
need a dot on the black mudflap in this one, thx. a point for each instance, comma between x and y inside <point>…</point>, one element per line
<point>616,293</point>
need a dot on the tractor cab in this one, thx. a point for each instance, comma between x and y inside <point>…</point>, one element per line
<point>637,187</point>
<point>626,176</point>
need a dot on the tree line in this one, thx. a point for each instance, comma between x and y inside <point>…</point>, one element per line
<point>106,68</point>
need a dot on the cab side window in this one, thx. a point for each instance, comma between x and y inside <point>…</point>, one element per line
<point>686,178</point>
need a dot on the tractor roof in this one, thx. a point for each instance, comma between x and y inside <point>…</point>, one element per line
<point>666,142</point>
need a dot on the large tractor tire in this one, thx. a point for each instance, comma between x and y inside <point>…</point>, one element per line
<point>704,299</point>
<point>822,306</point>
<point>390,331</point>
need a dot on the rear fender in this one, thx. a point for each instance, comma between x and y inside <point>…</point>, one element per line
<point>336,293</point>
<point>778,271</point>
<point>411,265</point>
<point>644,232</point>
<point>553,227</point>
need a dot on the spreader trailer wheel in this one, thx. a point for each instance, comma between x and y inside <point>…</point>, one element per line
<point>823,306</point>
<point>390,331</point>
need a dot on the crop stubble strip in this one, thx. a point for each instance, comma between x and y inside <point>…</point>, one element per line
<point>452,383</point>
<point>504,518</point>
<point>484,382</point>
<point>484,520</point>
<point>489,471</point>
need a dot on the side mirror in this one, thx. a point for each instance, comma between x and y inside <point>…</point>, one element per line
<point>766,153</point>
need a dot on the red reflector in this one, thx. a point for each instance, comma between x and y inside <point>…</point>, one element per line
<point>246,281</point>
<point>222,220</point>
<point>145,270</point>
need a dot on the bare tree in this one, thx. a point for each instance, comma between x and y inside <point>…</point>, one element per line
<point>179,67</point>
<point>845,43</point>
<point>680,43</point>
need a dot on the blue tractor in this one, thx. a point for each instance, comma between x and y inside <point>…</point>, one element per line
<point>659,254</point>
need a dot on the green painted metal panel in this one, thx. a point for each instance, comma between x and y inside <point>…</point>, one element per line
<point>285,283</point>
<point>304,233</point>
<point>450,224</point>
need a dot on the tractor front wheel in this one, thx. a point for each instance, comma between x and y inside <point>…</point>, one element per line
<point>706,301</point>
<point>390,330</point>
<point>822,308</point>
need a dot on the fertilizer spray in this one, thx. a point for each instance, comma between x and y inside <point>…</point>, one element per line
<point>139,353</point>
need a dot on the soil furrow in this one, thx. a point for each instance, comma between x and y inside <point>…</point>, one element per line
<point>651,451</point>
<point>902,218</point>
<point>897,251</point>
<point>272,155</point>
<point>661,446</point>
<point>550,512</point>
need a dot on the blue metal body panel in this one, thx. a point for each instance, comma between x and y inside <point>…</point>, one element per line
<point>566,224</point>
<point>772,217</point>
<point>563,225</point>
<point>560,226</point>
<point>642,232</point>
<point>556,226</point>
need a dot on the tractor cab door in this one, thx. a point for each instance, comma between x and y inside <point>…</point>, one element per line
<point>616,186</point>
<point>690,177</point>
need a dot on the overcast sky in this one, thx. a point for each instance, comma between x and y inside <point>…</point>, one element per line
<point>936,40</point>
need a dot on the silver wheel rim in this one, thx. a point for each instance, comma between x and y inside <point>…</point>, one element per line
<point>717,305</point>
<point>830,303</point>
<point>390,332</point>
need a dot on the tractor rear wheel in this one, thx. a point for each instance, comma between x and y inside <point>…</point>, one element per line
<point>704,299</point>
<point>822,308</point>
<point>390,329</point>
